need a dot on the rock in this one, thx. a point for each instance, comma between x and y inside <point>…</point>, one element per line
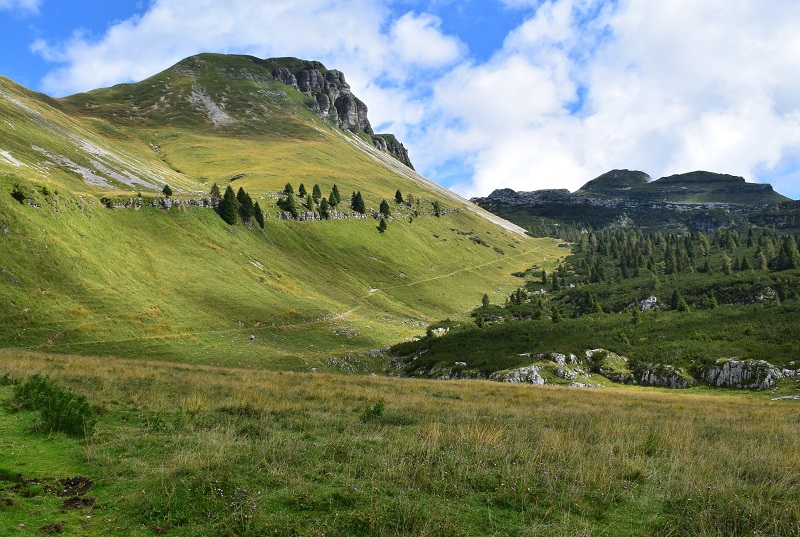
<point>665,376</point>
<point>529,375</point>
<point>754,374</point>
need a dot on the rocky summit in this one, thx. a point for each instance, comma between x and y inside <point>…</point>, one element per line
<point>695,201</point>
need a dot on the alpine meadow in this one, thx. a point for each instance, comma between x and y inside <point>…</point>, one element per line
<point>230,307</point>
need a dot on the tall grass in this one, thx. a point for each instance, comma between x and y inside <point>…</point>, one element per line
<point>201,450</point>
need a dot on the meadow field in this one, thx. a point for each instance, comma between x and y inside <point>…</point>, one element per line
<point>180,449</point>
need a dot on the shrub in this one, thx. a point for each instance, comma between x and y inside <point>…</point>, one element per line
<point>59,410</point>
<point>372,413</point>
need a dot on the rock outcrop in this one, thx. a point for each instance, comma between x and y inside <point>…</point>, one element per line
<point>752,374</point>
<point>334,101</point>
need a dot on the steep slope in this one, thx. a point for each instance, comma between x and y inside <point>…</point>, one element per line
<point>140,280</point>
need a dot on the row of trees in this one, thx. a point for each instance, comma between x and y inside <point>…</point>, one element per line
<point>239,207</point>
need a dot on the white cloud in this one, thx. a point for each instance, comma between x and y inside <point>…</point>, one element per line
<point>25,6</point>
<point>419,40</point>
<point>667,87</point>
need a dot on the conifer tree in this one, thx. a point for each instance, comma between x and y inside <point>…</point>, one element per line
<point>675,300</point>
<point>336,195</point>
<point>316,193</point>
<point>382,226</point>
<point>246,208</point>
<point>301,191</point>
<point>228,208</point>
<point>324,209</point>
<point>309,203</point>
<point>683,307</point>
<point>259,214</point>
<point>485,299</point>
<point>555,315</point>
<point>398,197</point>
<point>332,201</point>
<point>358,204</point>
<point>384,209</point>
<point>215,195</point>
<point>437,208</point>
<point>288,189</point>
<point>167,190</point>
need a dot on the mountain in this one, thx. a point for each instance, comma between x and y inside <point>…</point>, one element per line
<point>96,260</point>
<point>685,202</point>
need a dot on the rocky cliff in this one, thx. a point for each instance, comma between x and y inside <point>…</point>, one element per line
<point>333,100</point>
<point>696,201</point>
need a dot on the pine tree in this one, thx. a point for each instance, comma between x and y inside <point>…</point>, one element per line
<point>683,307</point>
<point>259,214</point>
<point>382,226</point>
<point>316,193</point>
<point>301,191</point>
<point>332,201</point>
<point>324,209</point>
<point>398,197</point>
<point>246,209</point>
<point>384,209</point>
<point>288,189</point>
<point>675,300</point>
<point>215,195</point>
<point>167,190</point>
<point>289,205</point>
<point>437,208</point>
<point>555,315</point>
<point>485,299</point>
<point>357,203</point>
<point>228,208</point>
<point>635,315</point>
<point>310,203</point>
<point>336,195</point>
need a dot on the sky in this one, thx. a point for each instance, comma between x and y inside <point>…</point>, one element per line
<point>485,94</point>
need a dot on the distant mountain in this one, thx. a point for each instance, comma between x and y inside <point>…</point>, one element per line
<point>698,200</point>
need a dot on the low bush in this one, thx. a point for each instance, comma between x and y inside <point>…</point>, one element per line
<point>59,410</point>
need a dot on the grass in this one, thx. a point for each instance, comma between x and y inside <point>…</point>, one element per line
<point>193,450</point>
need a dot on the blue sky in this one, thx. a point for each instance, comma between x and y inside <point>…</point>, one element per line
<point>525,94</point>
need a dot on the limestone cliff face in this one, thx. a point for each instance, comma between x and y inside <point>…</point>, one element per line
<point>334,101</point>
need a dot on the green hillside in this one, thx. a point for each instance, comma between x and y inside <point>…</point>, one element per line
<point>181,284</point>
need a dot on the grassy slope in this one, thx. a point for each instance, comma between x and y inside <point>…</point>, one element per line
<point>182,285</point>
<point>199,450</point>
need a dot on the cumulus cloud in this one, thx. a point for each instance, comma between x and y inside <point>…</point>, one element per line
<point>582,86</point>
<point>25,6</point>
<point>418,39</point>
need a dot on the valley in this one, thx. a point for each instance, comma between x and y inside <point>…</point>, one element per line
<point>174,361</point>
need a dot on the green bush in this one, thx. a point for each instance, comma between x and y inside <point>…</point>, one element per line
<point>372,413</point>
<point>59,410</point>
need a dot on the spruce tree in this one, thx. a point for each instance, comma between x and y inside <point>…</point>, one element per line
<point>384,209</point>
<point>398,197</point>
<point>301,191</point>
<point>336,195</point>
<point>310,203</point>
<point>215,195</point>
<point>437,208</point>
<point>316,193</point>
<point>228,208</point>
<point>555,315</point>
<point>288,189</point>
<point>683,307</point>
<point>675,300</point>
<point>324,209</point>
<point>259,214</point>
<point>332,201</point>
<point>246,209</point>
<point>357,203</point>
<point>485,299</point>
<point>167,191</point>
<point>382,226</point>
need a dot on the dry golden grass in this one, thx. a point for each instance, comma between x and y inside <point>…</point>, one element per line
<point>444,458</point>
